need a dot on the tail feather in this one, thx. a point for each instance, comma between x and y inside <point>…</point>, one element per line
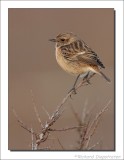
<point>107,79</point>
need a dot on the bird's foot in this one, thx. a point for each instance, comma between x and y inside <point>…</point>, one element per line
<point>73,91</point>
<point>88,81</point>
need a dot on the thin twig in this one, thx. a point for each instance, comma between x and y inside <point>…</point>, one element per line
<point>70,93</point>
<point>46,112</point>
<point>92,128</point>
<point>60,144</point>
<point>83,137</point>
<point>35,109</point>
<point>43,136</point>
<point>66,129</point>
<point>32,139</point>
<point>76,115</point>
<point>93,146</point>
<point>22,124</point>
<point>96,120</point>
<point>84,81</point>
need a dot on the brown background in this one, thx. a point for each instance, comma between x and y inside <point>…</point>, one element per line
<point>32,66</point>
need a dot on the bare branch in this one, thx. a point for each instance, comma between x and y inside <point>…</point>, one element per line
<point>22,124</point>
<point>86,130</point>
<point>83,136</point>
<point>32,139</point>
<point>35,109</point>
<point>98,116</point>
<point>60,144</point>
<point>76,115</point>
<point>46,112</point>
<point>55,116</point>
<point>84,81</point>
<point>93,126</point>
<point>93,146</point>
<point>66,129</point>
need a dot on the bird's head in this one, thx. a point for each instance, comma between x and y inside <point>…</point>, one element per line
<point>64,39</point>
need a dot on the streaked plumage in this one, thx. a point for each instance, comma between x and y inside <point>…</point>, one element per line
<point>75,56</point>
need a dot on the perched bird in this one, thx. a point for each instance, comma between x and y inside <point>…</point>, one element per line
<point>76,57</point>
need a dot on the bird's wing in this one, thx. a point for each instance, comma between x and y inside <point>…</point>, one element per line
<point>75,48</point>
<point>90,58</point>
<point>79,51</point>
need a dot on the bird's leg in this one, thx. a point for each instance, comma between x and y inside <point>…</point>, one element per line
<point>73,88</point>
<point>86,78</point>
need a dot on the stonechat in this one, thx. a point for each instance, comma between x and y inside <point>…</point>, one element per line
<point>76,57</point>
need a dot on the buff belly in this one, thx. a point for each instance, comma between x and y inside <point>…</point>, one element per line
<point>73,68</point>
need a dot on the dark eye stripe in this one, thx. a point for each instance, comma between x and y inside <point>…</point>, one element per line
<point>62,39</point>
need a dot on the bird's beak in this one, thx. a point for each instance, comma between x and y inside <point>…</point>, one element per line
<point>52,40</point>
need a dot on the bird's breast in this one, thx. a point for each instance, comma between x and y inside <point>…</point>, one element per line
<point>71,67</point>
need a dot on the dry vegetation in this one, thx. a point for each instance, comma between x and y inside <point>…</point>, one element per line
<point>86,127</point>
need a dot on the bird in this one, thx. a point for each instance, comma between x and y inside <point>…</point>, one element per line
<point>76,57</point>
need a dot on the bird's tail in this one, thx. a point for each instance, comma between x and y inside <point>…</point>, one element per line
<point>105,77</point>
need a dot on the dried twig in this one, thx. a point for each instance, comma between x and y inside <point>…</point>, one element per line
<point>32,139</point>
<point>47,113</point>
<point>66,129</point>
<point>76,116</point>
<point>46,128</point>
<point>83,137</point>
<point>60,144</point>
<point>35,109</point>
<point>83,82</point>
<point>93,126</point>
<point>22,124</point>
<point>93,146</point>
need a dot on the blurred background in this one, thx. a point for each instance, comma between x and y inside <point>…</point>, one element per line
<point>32,66</point>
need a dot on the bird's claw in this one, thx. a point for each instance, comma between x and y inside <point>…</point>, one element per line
<point>73,91</point>
<point>87,80</point>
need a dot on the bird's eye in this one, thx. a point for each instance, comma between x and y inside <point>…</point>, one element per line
<point>62,39</point>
